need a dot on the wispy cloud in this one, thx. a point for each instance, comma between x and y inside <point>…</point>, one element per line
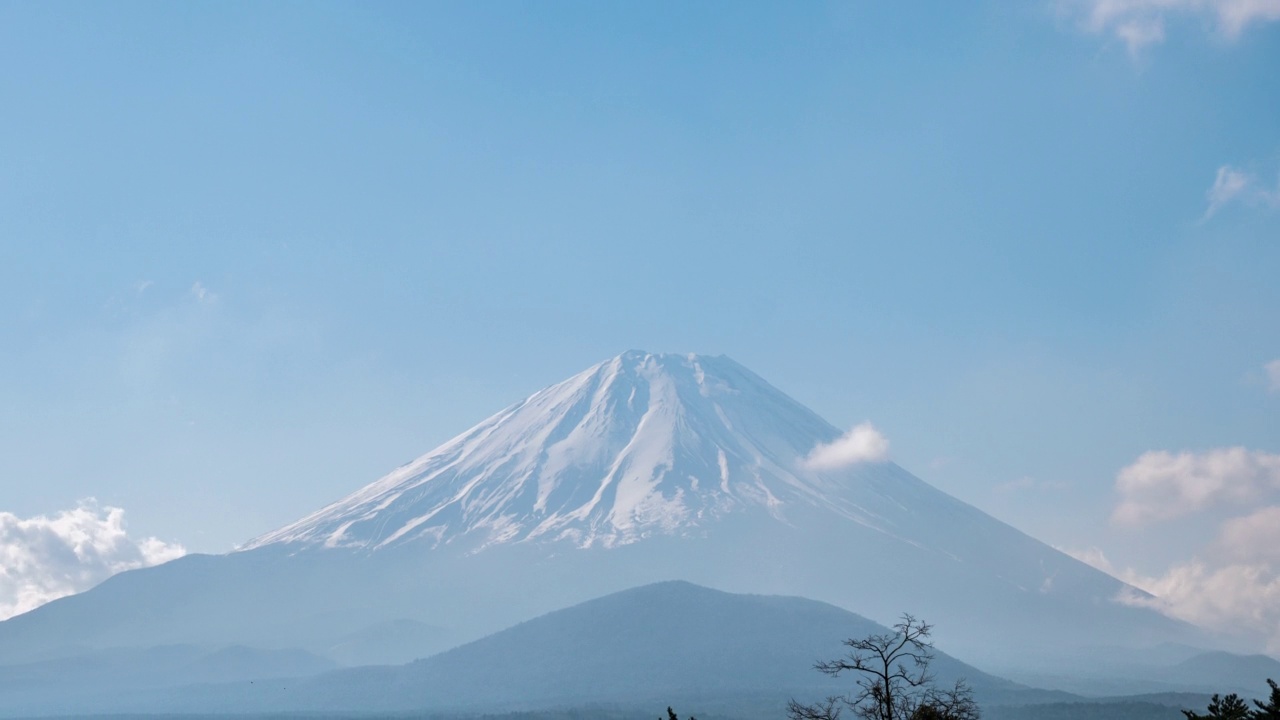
<point>1235,185</point>
<point>1141,23</point>
<point>202,294</point>
<point>47,557</point>
<point>1091,556</point>
<point>1273,375</point>
<point>1162,485</point>
<point>1229,184</point>
<point>861,444</point>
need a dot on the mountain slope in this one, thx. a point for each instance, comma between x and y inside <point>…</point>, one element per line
<point>673,642</point>
<point>669,639</point>
<point>106,678</point>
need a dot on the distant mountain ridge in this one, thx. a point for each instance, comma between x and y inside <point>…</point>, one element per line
<point>96,680</point>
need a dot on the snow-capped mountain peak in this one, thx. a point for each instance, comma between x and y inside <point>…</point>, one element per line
<point>638,445</point>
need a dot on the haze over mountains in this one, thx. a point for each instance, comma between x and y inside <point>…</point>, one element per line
<point>728,655</point>
<point>743,655</point>
<point>644,468</point>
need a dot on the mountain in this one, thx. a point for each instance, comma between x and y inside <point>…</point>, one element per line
<point>640,469</point>
<point>393,642</point>
<point>1172,670</point>
<point>638,446</point>
<point>666,640</point>
<point>94,680</point>
<point>1227,672</point>
<point>648,647</point>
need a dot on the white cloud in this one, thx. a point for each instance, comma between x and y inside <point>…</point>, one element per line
<point>861,444</point>
<point>1140,23</point>
<point>1236,592</point>
<point>1140,32</point>
<point>1238,599</point>
<point>1162,485</point>
<point>202,294</point>
<point>1273,375</point>
<point>1234,185</point>
<point>1252,538</point>
<point>1227,186</point>
<point>1097,559</point>
<point>47,557</point>
<point>1235,15</point>
<point>1231,586</point>
<point>1091,556</point>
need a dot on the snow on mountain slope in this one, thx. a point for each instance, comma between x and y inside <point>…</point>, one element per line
<point>638,445</point>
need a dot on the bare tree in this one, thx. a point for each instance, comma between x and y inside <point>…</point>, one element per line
<point>954,703</point>
<point>894,681</point>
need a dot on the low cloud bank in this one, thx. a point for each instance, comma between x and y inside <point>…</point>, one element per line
<point>1233,584</point>
<point>46,557</point>
<point>1232,587</point>
<point>861,444</point>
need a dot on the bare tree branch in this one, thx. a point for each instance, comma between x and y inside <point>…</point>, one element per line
<point>894,680</point>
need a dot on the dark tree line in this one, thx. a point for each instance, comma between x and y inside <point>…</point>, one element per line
<point>894,683</point>
<point>1232,707</point>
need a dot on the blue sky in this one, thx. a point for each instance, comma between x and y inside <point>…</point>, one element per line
<point>254,255</point>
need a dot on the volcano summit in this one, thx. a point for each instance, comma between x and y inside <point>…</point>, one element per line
<point>637,446</point>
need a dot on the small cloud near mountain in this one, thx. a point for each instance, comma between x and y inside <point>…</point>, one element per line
<point>864,443</point>
<point>45,557</point>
